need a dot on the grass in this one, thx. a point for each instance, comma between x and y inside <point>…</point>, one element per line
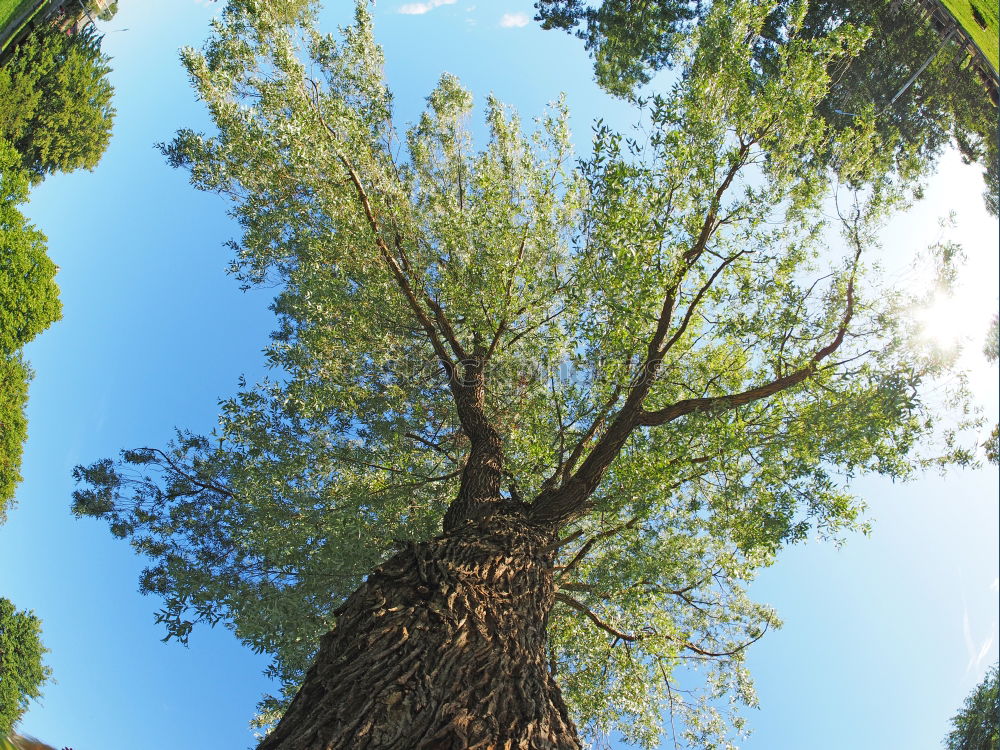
<point>9,10</point>
<point>964,12</point>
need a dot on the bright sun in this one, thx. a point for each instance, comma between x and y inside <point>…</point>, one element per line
<point>948,319</point>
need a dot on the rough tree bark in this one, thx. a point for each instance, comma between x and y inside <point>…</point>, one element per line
<point>442,648</point>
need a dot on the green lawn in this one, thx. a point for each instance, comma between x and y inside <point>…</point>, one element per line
<point>9,10</point>
<point>985,39</point>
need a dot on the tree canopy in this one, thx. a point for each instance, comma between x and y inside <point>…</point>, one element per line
<point>55,101</point>
<point>659,352</point>
<point>992,351</point>
<point>977,723</point>
<point>15,374</point>
<point>947,102</point>
<point>107,13</point>
<point>21,670</point>
<point>29,303</point>
<point>29,297</point>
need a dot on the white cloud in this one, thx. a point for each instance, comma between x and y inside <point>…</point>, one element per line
<point>967,633</point>
<point>418,9</point>
<point>975,659</point>
<point>984,650</point>
<point>513,20</point>
<point>995,586</point>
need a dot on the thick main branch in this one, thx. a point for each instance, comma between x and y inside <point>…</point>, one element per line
<point>479,492</point>
<point>567,502</point>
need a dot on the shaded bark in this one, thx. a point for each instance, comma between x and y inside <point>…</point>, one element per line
<point>442,648</point>
<point>479,492</point>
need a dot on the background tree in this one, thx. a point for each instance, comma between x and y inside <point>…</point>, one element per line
<point>29,297</point>
<point>977,725</point>
<point>29,303</point>
<point>55,101</point>
<point>55,115</point>
<point>537,424</point>
<point>992,352</point>
<point>21,670</point>
<point>15,374</point>
<point>631,40</point>
<point>106,13</point>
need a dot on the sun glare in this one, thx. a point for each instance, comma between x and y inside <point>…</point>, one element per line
<point>948,320</point>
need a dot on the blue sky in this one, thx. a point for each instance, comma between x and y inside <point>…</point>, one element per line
<point>883,636</point>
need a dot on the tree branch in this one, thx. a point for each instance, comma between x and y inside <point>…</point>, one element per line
<point>481,475</point>
<point>582,552</point>
<point>398,273</point>
<point>681,408</point>
<point>199,483</point>
<point>431,444</point>
<point>632,638</point>
<point>562,504</point>
<point>741,647</point>
<point>562,472</point>
<point>574,604</point>
<point>697,300</point>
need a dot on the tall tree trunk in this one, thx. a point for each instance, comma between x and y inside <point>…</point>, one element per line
<point>442,648</point>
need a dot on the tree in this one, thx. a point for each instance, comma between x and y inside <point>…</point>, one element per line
<point>947,102</point>
<point>537,424</point>
<point>29,303</point>
<point>629,40</point>
<point>55,101</point>
<point>104,12</point>
<point>21,670</point>
<point>992,351</point>
<point>29,297</point>
<point>55,114</point>
<point>14,378</point>
<point>977,725</point>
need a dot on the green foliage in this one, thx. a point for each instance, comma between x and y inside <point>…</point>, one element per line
<point>29,303</point>
<point>107,13</point>
<point>14,378</point>
<point>992,446</point>
<point>8,10</point>
<point>992,346</point>
<point>977,725</point>
<point>631,40</point>
<point>628,40</point>
<point>992,352</point>
<point>21,670</point>
<point>988,38</point>
<point>708,223</point>
<point>29,297</point>
<point>55,101</point>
